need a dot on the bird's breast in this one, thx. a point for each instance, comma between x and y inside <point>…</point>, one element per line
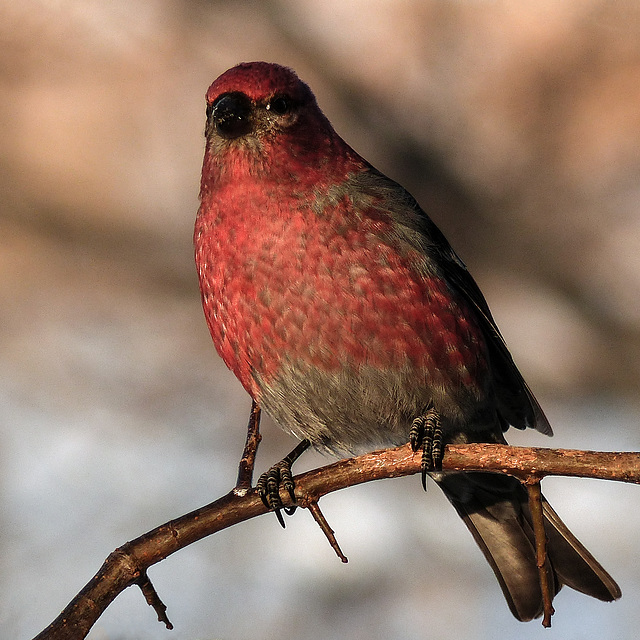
<point>286,283</point>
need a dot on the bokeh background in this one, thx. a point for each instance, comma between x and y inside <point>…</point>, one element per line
<point>516,125</point>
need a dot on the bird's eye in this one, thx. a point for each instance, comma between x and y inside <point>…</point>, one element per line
<point>279,105</point>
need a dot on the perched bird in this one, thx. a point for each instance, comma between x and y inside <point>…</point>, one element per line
<point>346,315</point>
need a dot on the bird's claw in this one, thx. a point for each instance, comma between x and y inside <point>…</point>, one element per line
<point>280,476</point>
<point>426,434</point>
<point>268,488</point>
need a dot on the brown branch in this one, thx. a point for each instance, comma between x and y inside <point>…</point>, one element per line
<point>128,564</point>
<point>535,506</point>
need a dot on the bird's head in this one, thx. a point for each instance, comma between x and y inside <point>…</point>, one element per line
<point>257,101</point>
<point>264,124</point>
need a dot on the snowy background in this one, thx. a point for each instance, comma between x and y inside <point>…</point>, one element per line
<point>517,126</point>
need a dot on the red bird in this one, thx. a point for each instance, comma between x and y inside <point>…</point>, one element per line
<point>346,315</point>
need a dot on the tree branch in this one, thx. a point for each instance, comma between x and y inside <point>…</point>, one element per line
<point>128,564</point>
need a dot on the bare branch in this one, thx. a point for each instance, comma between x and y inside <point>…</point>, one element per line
<point>126,565</point>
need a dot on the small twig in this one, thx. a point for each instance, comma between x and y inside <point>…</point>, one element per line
<point>535,507</point>
<point>248,460</point>
<point>153,599</point>
<point>318,516</point>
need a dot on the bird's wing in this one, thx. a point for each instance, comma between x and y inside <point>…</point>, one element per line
<point>516,403</point>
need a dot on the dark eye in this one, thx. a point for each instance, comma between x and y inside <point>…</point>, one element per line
<point>280,105</point>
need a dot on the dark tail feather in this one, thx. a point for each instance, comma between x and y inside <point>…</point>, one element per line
<point>495,509</point>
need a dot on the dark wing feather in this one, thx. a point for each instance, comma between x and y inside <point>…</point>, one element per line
<point>516,402</point>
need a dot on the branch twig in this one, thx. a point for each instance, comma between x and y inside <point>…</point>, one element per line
<point>248,460</point>
<point>153,599</point>
<point>318,516</point>
<point>125,565</point>
<point>535,506</point>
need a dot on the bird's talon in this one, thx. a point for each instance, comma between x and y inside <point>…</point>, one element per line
<point>265,502</point>
<point>279,475</point>
<point>424,477</point>
<point>287,483</point>
<point>273,492</point>
<point>261,488</point>
<point>416,433</point>
<point>426,433</point>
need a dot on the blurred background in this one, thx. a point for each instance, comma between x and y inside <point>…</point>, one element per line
<point>515,124</point>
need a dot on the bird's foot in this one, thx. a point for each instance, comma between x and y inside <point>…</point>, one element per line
<point>277,477</point>
<point>426,434</point>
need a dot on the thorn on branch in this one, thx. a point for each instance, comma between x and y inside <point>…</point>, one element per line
<point>535,507</point>
<point>153,599</point>
<point>318,516</point>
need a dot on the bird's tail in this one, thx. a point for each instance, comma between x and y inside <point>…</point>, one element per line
<point>495,509</point>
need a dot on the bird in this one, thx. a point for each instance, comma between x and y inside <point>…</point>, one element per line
<point>346,315</point>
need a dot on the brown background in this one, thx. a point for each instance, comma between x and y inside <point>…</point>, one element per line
<point>517,126</point>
